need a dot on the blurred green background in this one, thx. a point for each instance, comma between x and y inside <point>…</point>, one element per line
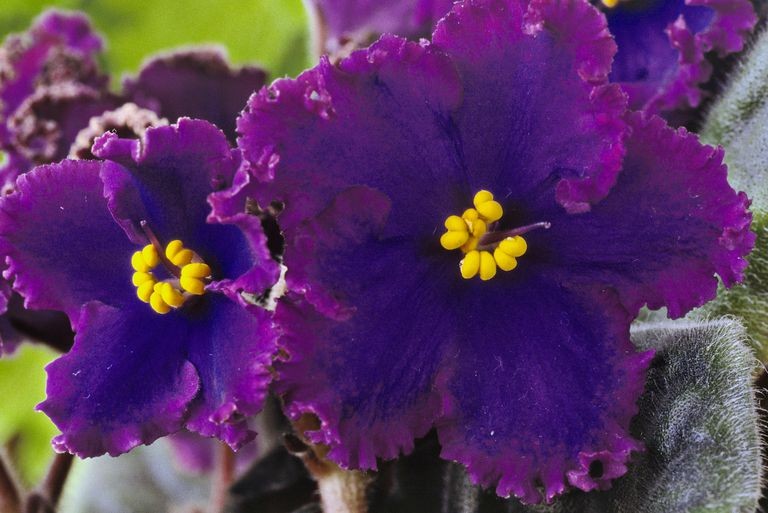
<point>272,33</point>
<point>268,32</point>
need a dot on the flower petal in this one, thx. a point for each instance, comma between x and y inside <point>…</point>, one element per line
<point>231,346</point>
<point>197,83</point>
<point>527,70</point>
<point>661,60</point>
<point>669,225</point>
<point>125,382</point>
<point>389,340</point>
<point>61,245</point>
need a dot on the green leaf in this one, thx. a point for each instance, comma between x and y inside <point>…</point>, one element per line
<point>29,432</point>
<point>699,423</point>
<point>270,32</point>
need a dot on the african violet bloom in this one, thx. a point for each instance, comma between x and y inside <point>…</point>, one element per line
<point>152,285</point>
<point>662,44</point>
<point>470,227</point>
<point>55,100</point>
<point>341,22</point>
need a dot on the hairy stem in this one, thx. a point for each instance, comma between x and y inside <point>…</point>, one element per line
<point>224,475</point>
<point>10,494</point>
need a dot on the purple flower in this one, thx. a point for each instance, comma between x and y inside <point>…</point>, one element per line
<point>502,139</point>
<point>197,83</point>
<point>661,61</point>
<point>98,239</point>
<point>341,22</point>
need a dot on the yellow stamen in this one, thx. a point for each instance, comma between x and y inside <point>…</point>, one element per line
<point>171,296</point>
<point>140,277</point>
<point>514,246</point>
<point>503,260</point>
<point>470,265</point>
<point>150,256</point>
<point>182,258</point>
<point>487,266</point>
<point>145,290</point>
<point>172,248</point>
<point>196,270</point>
<point>157,304</point>
<point>484,255</point>
<point>610,3</point>
<point>138,263</point>
<point>453,240</point>
<point>192,285</point>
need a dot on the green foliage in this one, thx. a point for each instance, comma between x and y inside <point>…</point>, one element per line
<point>738,121</point>
<point>28,432</point>
<point>270,32</point>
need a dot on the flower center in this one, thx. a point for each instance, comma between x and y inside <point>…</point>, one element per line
<point>190,274</point>
<point>610,4</point>
<point>485,250</point>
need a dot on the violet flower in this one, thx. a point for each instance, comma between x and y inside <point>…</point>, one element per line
<point>568,214</point>
<point>196,355</point>
<point>662,45</point>
<point>356,22</point>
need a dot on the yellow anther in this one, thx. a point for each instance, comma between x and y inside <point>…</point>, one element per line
<point>196,270</point>
<point>479,228</point>
<point>470,245</point>
<point>182,258</point>
<point>456,224</point>
<point>487,266</point>
<point>453,240</point>
<point>192,285</point>
<point>145,290</point>
<point>514,246</point>
<point>470,215</point>
<point>140,277</point>
<point>470,265</point>
<point>157,303</point>
<point>149,253</point>
<point>610,3</point>
<point>491,210</point>
<point>172,248</point>
<point>503,260</point>
<point>482,197</point>
<point>171,296</point>
<point>138,263</point>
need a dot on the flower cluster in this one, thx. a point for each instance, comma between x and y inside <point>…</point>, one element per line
<point>469,225</point>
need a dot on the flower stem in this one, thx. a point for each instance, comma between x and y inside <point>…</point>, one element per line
<point>341,491</point>
<point>10,495</point>
<point>224,475</point>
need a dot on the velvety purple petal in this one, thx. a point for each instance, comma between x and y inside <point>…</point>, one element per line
<point>527,70</point>
<point>342,21</point>
<point>662,44</point>
<point>125,382</point>
<point>231,346</point>
<point>668,226</point>
<point>195,83</point>
<point>196,454</point>
<point>59,47</point>
<point>400,342</point>
<point>62,246</point>
<point>165,177</point>
<point>381,118</point>
<point>46,124</point>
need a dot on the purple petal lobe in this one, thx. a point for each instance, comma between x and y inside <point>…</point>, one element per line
<point>231,346</point>
<point>661,61</point>
<point>197,83</point>
<point>119,387</point>
<point>61,245</point>
<point>669,225</point>
<point>551,50</point>
<point>343,21</point>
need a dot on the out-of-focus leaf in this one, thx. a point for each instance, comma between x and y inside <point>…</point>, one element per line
<point>270,32</point>
<point>697,418</point>
<point>738,121</point>
<point>29,432</point>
